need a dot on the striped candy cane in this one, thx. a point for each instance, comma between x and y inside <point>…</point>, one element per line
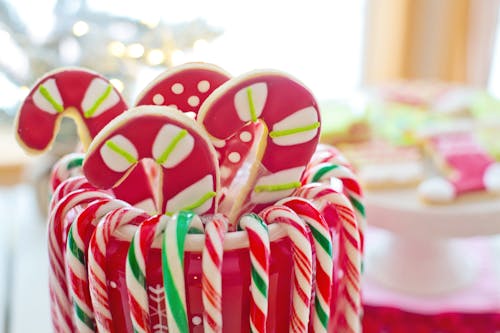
<point>349,297</point>
<point>67,186</point>
<point>211,279</point>
<point>68,166</point>
<point>323,172</point>
<point>260,255</point>
<point>57,232</point>
<point>97,261</point>
<point>76,260</point>
<point>324,258</point>
<point>173,270</point>
<point>302,262</point>
<point>135,270</point>
<point>328,154</point>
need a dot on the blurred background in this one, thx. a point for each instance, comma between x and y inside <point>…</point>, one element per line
<point>382,71</point>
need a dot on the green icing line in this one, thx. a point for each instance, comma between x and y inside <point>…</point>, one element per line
<point>89,322</point>
<point>90,112</point>
<point>46,94</point>
<point>134,265</point>
<point>277,187</point>
<point>358,205</point>
<point>164,156</point>
<point>321,172</point>
<point>277,134</point>
<point>253,115</point>
<point>120,151</point>
<point>77,162</point>
<point>323,318</point>
<point>322,240</point>
<point>259,282</point>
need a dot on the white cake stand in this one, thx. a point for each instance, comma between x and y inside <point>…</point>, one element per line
<point>422,254</point>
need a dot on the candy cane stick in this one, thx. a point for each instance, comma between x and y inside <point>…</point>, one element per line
<point>324,258</point>
<point>97,261</point>
<point>69,165</point>
<point>302,262</point>
<point>66,187</point>
<point>173,270</point>
<point>57,230</point>
<point>260,255</point>
<point>328,154</point>
<point>285,141</point>
<point>76,260</point>
<point>349,301</point>
<point>211,279</point>
<point>323,172</point>
<point>189,171</point>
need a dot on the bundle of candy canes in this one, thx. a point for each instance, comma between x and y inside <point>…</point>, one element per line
<point>207,207</point>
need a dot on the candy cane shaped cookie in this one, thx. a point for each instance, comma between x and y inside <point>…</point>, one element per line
<point>324,258</point>
<point>211,278</point>
<point>57,233</point>
<point>302,263</point>
<point>76,260</point>
<point>172,256</point>
<point>184,87</point>
<point>284,143</point>
<point>260,255</point>
<point>84,95</point>
<point>103,233</point>
<point>324,172</point>
<point>189,179</point>
<point>348,298</point>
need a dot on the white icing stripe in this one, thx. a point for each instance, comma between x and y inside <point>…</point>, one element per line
<point>44,103</point>
<point>249,101</point>
<point>301,125</point>
<point>115,160</point>
<point>200,190</point>
<point>172,145</point>
<point>99,97</point>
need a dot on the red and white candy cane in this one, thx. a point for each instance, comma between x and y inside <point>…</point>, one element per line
<point>349,293</point>
<point>324,172</point>
<point>84,95</point>
<point>184,87</point>
<point>211,278</point>
<point>324,258</point>
<point>104,231</point>
<point>57,232</point>
<point>328,154</point>
<point>76,261</point>
<point>66,187</point>
<point>260,255</point>
<point>68,166</point>
<point>302,263</point>
<point>285,140</point>
<point>189,179</point>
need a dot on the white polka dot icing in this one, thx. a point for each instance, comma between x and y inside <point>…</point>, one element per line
<point>234,157</point>
<point>158,99</point>
<point>203,86</point>
<point>246,136</point>
<point>177,88</point>
<point>194,101</point>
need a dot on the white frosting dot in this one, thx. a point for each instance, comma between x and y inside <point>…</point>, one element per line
<point>437,190</point>
<point>203,86</point>
<point>492,178</point>
<point>113,285</point>
<point>177,88</point>
<point>246,136</point>
<point>158,99</point>
<point>196,320</point>
<point>234,157</point>
<point>193,100</point>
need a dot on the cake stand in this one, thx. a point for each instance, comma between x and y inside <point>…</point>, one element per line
<point>422,253</point>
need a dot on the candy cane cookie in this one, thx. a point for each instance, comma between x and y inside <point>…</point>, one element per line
<point>348,295</point>
<point>97,273</point>
<point>189,176</point>
<point>78,93</point>
<point>57,233</point>
<point>183,87</point>
<point>302,263</point>
<point>324,258</point>
<point>467,165</point>
<point>260,256</point>
<point>76,260</point>
<point>284,141</point>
